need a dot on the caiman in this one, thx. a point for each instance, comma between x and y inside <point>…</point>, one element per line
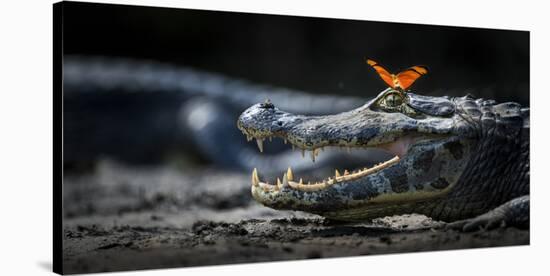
<point>460,160</point>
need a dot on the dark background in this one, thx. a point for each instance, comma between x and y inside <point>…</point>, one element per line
<point>312,54</point>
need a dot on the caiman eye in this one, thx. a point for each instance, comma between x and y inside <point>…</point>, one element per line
<point>393,100</point>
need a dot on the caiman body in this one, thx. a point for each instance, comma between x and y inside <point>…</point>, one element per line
<point>460,160</point>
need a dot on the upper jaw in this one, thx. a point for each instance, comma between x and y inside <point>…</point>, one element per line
<point>361,127</point>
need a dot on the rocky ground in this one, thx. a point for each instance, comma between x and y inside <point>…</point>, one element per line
<point>123,217</point>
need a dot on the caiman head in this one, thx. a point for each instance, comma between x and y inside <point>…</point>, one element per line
<point>431,140</point>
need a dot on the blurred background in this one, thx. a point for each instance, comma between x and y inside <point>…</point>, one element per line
<point>312,54</point>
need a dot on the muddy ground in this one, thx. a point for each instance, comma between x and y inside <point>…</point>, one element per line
<point>127,217</point>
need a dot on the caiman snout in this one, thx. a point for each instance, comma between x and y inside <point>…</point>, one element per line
<point>265,120</point>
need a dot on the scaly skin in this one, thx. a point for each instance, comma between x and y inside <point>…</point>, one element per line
<point>456,160</point>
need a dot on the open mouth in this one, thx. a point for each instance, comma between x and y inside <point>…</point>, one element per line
<point>410,149</point>
<point>422,159</point>
<point>397,149</point>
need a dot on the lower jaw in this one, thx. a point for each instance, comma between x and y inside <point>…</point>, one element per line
<point>388,203</point>
<point>289,180</point>
<point>397,149</point>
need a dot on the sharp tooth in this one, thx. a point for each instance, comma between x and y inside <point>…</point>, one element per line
<point>346,172</point>
<point>255,178</point>
<point>289,174</point>
<point>313,155</point>
<point>285,182</point>
<point>285,141</point>
<point>279,184</point>
<point>260,143</point>
<point>301,181</point>
<point>303,153</point>
<point>336,173</point>
<point>248,138</point>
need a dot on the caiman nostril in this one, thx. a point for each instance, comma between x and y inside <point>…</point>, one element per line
<point>267,104</point>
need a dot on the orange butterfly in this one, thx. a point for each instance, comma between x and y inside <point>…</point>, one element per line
<point>403,79</point>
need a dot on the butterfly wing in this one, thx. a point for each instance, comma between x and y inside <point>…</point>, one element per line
<point>409,76</point>
<point>382,72</point>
